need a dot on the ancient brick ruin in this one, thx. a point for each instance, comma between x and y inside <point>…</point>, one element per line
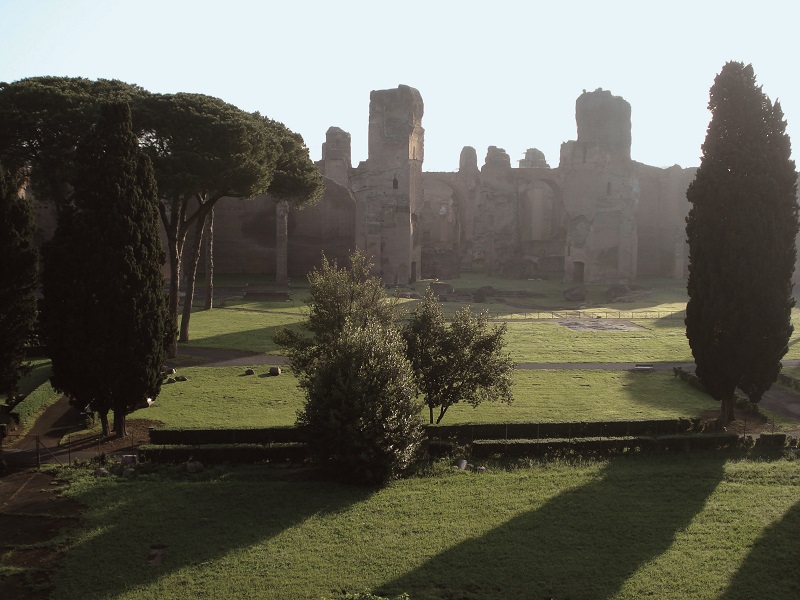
<point>597,217</point>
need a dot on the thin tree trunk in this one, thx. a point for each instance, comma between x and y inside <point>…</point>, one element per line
<point>191,277</point>
<point>174,291</point>
<point>430,408</point>
<point>120,422</point>
<point>209,235</point>
<point>282,241</point>
<point>104,423</point>
<point>176,235</point>
<point>726,414</point>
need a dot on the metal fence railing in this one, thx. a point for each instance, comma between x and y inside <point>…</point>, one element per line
<point>627,315</point>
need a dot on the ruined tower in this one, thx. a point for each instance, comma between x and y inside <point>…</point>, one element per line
<point>336,162</point>
<point>388,186</point>
<point>601,192</point>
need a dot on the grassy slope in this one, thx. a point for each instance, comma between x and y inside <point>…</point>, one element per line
<point>684,527</point>
<point>39,394</point>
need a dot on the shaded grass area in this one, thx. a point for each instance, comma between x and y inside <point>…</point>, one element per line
<point>685,526</point>
<point>225,397</point>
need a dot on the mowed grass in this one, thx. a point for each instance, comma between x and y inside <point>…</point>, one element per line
<point>251,326</point>
<point>697,527</point>
<point>232,328</point>
<point>548,342</point>
<point>225,397</point>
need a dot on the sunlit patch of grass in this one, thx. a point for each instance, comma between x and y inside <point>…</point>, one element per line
<point>700,526</point>
<point>548,342</point>
<point>225,397</point>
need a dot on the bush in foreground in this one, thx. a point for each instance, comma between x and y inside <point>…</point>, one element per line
<point>362,416</point>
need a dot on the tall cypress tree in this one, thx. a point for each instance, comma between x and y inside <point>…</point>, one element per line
<point>741,231</point>
<point>18,269</point>
<point>106,318</point>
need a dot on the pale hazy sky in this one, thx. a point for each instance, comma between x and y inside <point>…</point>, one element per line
<point>492,72</point>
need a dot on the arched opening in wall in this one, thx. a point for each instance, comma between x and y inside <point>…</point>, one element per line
<point>578,271</point>
<point>394,183</point>
<point>413,271</point>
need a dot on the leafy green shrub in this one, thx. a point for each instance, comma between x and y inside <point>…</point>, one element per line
<point>771,441</point>
<point>362,415</point>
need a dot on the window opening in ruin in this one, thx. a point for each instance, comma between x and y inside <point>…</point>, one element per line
<point>608,189</point>
<point>413,271</point>
<point>394,183</point>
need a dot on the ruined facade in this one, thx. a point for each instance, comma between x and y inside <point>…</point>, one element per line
<point>596,217</point>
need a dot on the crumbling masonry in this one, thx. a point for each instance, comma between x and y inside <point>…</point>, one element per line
<point>597,217</point>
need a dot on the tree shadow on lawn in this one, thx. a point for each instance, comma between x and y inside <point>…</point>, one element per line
<point>253,340</point>
<point>584,543</point>
<point>771,568</point>
<point>143,530</point>
<point>661,393</point>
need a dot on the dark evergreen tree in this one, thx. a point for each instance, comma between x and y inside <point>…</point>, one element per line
<point>106,321</point>
<point>18,270</point>
<point>741,231</point>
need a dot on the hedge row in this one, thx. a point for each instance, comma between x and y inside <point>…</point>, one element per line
<point>536,431</point>
<point>482,449</point>
<point>224,453</point>
<point>464,432</point>
<point>200,436</point>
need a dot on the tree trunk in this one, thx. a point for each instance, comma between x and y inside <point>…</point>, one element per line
<point>191,276</point>
<point>430,408</point>
<point>209,235</point>
<point>104,423</point>
<point>282,241</point>
<point>726,411</point>
<point>120,422</point>
<point>174,290</point>
<point>176,234</point>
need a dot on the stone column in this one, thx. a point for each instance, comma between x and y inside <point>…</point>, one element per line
<point>282,241</point>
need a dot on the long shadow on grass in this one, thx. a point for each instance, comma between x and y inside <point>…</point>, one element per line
<point>256,340</point>
<point>771,569</point>
<point>584,543</point>
<point>186,522</point>
<point>666,392</point>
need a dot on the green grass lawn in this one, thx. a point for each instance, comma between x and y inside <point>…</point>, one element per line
<point>700,526</point>
<point>239,329</point>
<point>39,394</point>
<point>549,342</point>
<point>225,397</point>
